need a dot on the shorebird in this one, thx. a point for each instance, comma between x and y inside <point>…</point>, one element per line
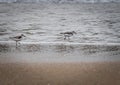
<point>67,35</point>
<point>17,38</point>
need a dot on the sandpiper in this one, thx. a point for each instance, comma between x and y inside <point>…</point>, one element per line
<point>17,38</point>
<point>67,35</point>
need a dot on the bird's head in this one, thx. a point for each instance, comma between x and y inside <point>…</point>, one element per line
<point>23,35</point>
<point>74,32</point>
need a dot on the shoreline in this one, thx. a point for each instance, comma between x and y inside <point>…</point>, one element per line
<point>59,43</point>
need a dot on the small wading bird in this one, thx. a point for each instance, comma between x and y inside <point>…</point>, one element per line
<point>67,35</point>
<point>17,38</point>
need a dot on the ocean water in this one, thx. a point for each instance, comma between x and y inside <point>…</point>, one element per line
<point>93,23</point>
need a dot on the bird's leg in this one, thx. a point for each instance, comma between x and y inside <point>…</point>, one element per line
<point>16,43</point>
<point>64,37</point>
<point>19,43</point>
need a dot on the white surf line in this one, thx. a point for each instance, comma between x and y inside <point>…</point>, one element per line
<point>60,43</point>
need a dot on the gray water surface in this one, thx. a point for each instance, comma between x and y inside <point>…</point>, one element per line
<point>97,27</point>
<point>94,23</point>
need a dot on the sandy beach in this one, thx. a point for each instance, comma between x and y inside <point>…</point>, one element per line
<point>102,73</point>
<point>32,64</point>
<point>60,65</point>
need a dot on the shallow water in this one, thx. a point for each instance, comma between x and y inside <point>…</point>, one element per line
<point>97,27</point>
<point>94,23</point>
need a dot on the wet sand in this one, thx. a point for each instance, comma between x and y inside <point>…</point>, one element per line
<point>81,73</point>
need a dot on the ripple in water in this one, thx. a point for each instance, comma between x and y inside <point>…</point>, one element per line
<point>94,23</point>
